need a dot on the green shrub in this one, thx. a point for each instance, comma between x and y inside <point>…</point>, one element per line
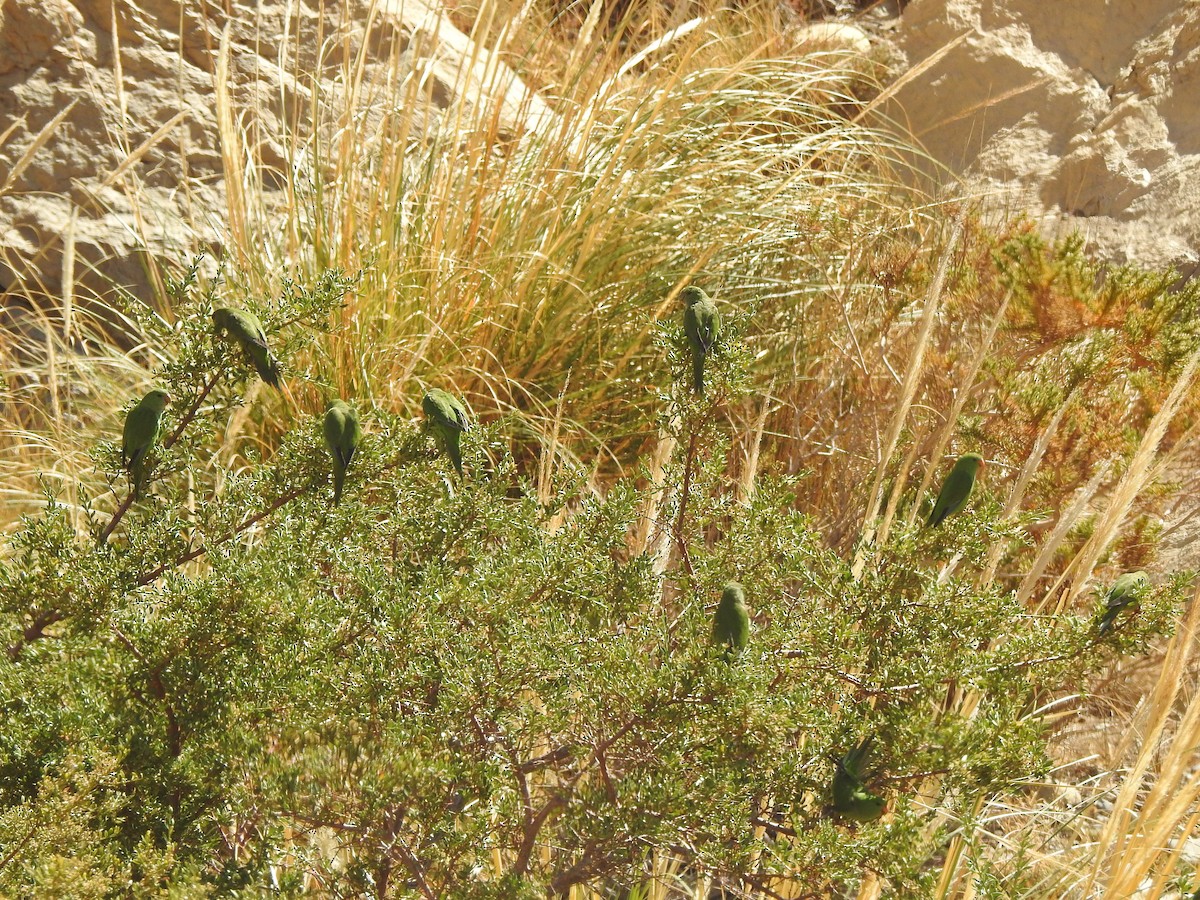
<point>456,687</point>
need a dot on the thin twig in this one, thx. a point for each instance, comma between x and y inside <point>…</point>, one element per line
<point>35,632</point>
<point>680,541</point>
<point>414,867</point>
<point>191,413</point>
<point>158,690</point>
<point>20,845</point>
<point>291,495</point>
<point>116,517</point>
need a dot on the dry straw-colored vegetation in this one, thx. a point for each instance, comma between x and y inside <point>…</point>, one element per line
<point>526,256</point>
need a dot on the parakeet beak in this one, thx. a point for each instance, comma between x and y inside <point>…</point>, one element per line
<point>168,400</point>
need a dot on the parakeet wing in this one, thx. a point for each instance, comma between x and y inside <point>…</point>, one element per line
<point>141,427</point>
<point>445,410</point>
<point>956,489</point>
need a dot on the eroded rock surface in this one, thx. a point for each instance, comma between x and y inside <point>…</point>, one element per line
<point>112,152</point>
<point>1078,110</point>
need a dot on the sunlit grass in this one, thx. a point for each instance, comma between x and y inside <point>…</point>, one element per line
<point>523,248</point>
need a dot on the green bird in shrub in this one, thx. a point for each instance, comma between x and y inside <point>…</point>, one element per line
<point>956,489</point>
<point>142,424</point>
<point>702,325</point>
<point>246,330</point>
<point>731,623</point>
<point>342,435</point>
<point>1126,592</point>
<point>448,418</point>
<point>852,799</point>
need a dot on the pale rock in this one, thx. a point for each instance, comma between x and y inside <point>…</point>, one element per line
<point>109,139</point>
<point>1079,111</point>
<point>834,36</point>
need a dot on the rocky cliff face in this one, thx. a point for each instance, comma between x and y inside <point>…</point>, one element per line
<point>1083,112</point>
<point>116,118</point>
<point>120,122</point>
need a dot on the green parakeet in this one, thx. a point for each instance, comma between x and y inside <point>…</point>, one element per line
<point>141,431</point>
<point>1127,591</point>
<point>731,624</point>
<point>702,325</point>
<point>448,418</point>
<point>342,435</point>
<point>851,797</point>
<point>956,489</point>
<point>247,330</point>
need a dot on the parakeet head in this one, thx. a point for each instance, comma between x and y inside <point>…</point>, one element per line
<point>972,462</point>
<point>221,317</point>
<point>1131,583</point>
<point>157,399</point>
<point>733,595</point>
<point>335,403</point>
<point>692,295</point>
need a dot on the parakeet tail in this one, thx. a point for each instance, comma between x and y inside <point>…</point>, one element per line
<point>455,453</point>
<point>339,478</point>
<point>268,367</point>
<point>137,479</point>
<point>270,373</point>
<point>698,372</point>
<point>1106,623</point>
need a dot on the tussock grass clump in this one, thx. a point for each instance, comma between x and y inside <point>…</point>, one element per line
<point>501,686</point>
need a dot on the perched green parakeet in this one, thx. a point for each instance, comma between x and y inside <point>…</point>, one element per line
<point>142,424</point>
<point>1127,591</point>
<point>956,489</point>
<point>448,418</point>
<point>851,797</point>
<point>731,624</point>
<point>247,330</point>
<point>702,325</point>
<point>342,435</point>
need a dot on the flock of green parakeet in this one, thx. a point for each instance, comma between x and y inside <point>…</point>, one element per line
<point>447,419</point>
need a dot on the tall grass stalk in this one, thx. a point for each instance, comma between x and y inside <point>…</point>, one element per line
<point>525,246</point>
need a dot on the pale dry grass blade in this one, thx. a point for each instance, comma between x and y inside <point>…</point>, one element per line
<point>1016,494</point>
<point>1161,788</point>
<point>43,137</point>
<point>1032,84</point>
<point>119,78</point>
<point>1134,480</point>
<point>647,522</point>
<point>1066,521</point>
<point>68,276</point>
<point>911,74</point>
<point>908,392</point>
<point>544,483</point>
<point>673,35</point>
<point>749,468</point>
<point>900,483</point>
<point>960,400</point>
<point>9,132</point>
<point>584,46</point>
<point>232,152</point>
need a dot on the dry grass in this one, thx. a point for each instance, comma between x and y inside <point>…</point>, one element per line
<point>524,249</point>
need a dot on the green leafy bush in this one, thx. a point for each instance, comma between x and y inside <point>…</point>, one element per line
<point>478,689</point>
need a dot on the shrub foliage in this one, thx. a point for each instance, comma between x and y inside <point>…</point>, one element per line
<point>487,687</point>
